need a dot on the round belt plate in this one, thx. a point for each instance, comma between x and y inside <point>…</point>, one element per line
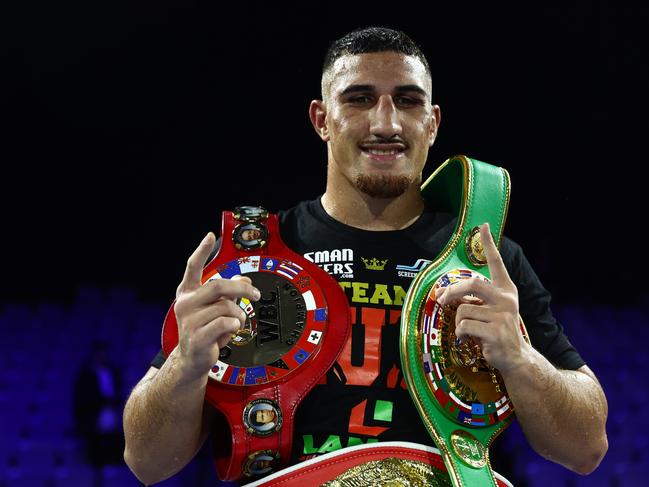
<point>469,394</point>
<point>474,248</point>
<point>260,462</point>
<point>250,213</point>
<point>468,449</point>
<point>262,417</point>
<point>284,329</point>
<point>250,236</point>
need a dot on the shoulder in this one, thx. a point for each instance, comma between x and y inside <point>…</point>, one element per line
<point>301,224</point>
<point>514,258</point>
<point>518,266</point>
<point>509,246</point>
<point>303,210</point>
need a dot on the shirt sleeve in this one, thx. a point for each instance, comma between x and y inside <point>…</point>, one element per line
<point>158,360</point>
<point>545,332</point>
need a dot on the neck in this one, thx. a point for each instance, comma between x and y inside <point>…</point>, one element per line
<point>347,204</point>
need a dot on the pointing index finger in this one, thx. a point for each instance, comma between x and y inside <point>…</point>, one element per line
<point>499,274</point>
<point>194,270</point>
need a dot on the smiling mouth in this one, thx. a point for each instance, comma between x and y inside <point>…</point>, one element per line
<point>383,152</point>
<point>386,152</point>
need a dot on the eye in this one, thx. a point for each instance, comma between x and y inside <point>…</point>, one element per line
<point>360,99</point>
<point>406,101</point>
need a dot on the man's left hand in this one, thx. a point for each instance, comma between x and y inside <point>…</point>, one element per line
<point>488,311</point>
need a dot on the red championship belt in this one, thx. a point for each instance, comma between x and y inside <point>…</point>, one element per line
<point>385,463</point>
<point>292,336</point>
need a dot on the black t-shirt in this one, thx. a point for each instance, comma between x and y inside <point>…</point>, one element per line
<point>363,397</point>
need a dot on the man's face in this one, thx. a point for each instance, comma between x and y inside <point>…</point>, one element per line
<point>249,235</point>
<point>265,416</point>
<point>378,121</point>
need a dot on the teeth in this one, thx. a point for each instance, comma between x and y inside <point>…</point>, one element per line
<point>380,152</point>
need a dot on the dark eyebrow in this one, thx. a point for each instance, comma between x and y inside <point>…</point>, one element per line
<point>356,89</point>
<point>398,89</point>
<point>414,88</point>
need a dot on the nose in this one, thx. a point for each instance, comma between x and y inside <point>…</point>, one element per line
<point>384,118</point>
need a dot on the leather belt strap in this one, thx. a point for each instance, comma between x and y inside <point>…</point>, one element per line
<point>385,463</point>
<point>292,336</point>
<point>460,398</point>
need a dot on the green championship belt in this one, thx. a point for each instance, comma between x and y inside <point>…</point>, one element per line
<point>461,399</point>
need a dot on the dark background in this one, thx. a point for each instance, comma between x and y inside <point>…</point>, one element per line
<point>127,127</point>
<point>130,126</point>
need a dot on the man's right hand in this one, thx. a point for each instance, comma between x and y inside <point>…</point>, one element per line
<point>207,315</point>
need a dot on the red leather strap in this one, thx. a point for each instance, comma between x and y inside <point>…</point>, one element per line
<point>288,390</point>
<point>329,466</point>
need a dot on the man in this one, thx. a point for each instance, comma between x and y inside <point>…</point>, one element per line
<point>378,121</point>
<point>264,416</point>
<point>250,235</point>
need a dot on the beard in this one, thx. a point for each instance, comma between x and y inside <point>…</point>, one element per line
<point>382,186</point>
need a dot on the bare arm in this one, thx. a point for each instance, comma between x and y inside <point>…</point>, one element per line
<point>165,419</point>
<point>562,412</point>
<point>165,422</point>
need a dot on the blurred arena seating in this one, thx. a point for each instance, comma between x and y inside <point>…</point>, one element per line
<point>43,346</point>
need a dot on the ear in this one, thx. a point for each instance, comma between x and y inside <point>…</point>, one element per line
<point>318,116</point>
<point>434,124</point>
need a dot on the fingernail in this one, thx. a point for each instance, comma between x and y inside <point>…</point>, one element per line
<point>256,294</point>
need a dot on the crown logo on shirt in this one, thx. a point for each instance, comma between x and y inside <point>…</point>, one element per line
<point>374,264</point>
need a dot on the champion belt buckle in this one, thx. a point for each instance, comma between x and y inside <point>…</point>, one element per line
<point>460,398</point>
<point>291,337</point>
<point>388,463</point>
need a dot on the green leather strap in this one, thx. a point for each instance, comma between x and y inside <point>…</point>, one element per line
<point>477,192</point>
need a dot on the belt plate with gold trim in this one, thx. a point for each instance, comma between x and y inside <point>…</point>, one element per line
<point>291,337</point>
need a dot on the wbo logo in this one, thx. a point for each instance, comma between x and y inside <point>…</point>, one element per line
<point>412,270</point>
